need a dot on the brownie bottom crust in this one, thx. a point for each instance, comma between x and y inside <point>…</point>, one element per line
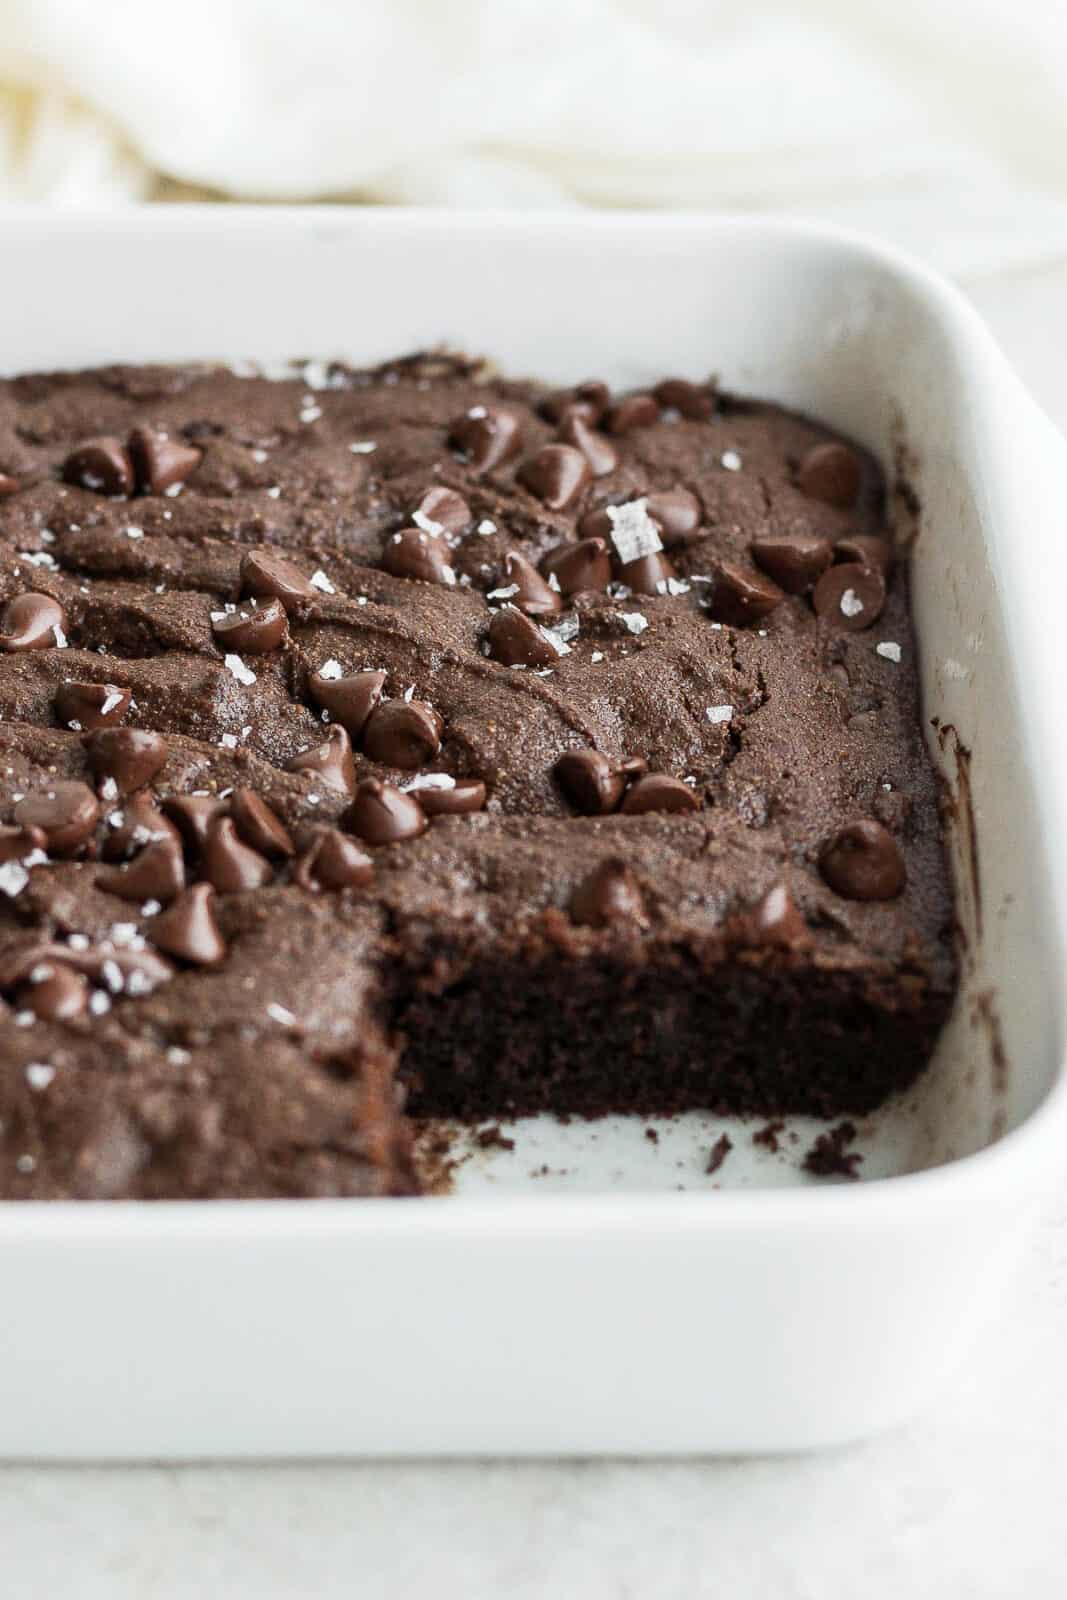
<point>413,742</point>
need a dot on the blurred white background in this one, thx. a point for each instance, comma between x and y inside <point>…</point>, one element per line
<point>940,122</point>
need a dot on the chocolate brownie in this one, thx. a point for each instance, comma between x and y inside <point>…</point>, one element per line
<point>414,741</point>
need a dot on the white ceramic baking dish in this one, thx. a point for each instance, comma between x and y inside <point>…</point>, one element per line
<point>623,1301</point>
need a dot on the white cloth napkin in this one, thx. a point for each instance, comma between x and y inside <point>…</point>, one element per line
<point>940,122</point>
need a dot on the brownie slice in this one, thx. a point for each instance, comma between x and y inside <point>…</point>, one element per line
<point>418,735</point>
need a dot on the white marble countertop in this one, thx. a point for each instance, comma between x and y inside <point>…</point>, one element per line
<point>967,1504</point>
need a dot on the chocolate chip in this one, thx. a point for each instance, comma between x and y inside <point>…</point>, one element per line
<point>830,472</point>
<point>349,701</point>
<point>738,597</point>
<point>596,525</point>
<point>557,474</point>
<point>486,437</point>
<point>850,596</point>
<point>32,622</point>
<point>590,399</point>
<point>403,733</point>
<point>17,843</point>
<point>414,553</point>
<point>776,920</point>
<point>632,767</point>
<point>518,642</point>
<point>656,791</point>
<point>58,995</point>
<point>131,756</point>
<point>581,566</point>
<point>676,512</point>
<point>101,465</point>
<point>591,782</point>
<point>445,507</point>
<point>159,461</point>
<point>254,629</point>
<point>66,814</point>
<point>862,862</point>
<point>230,865</point>
<point>575,429</point>
<point>648,574</point>
<point>258,825</point>
<point>188,930</point>
<point>8,486</point>
<point>332,861</point>
<point>383,814</point>
<point>609,894</point>
<point>794,560</point>
<point>157,873</point>
<point>533,595</point>
<point>465,796</point>
<point>330,763</point>
<point>193,815</point>
<point>91,705</point>
<point>268,576</point>
<point>142,822</point>
<point>866,549</point>
<point>636,411</point>
<point>691,399</point>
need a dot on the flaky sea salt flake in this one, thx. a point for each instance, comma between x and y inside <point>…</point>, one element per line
<point>633,532</point>
<point>242,673</point>
<point>429,780</point>
<point>13,878</point>
<point>633,621</point>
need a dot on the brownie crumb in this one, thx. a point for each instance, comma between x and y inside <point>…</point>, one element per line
<point>652,1136</point>
<point>718,1153</point>
<point>768,1135</point>
<point>829,1156</point>
<point>491,1138</point>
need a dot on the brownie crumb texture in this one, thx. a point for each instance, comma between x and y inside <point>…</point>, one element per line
<point>415,743</point>
<point>830,1157</point>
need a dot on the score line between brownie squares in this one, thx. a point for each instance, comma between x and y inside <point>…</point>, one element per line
<point>417,741</point>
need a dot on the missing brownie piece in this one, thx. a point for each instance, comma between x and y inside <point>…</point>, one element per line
<point>415,735</point>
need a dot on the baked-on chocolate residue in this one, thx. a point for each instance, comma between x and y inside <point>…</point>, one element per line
<point>985,1015</point>
<point>960,806</point>
<point>768,1135</point>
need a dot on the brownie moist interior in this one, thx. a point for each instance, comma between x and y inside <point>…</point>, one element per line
<point>416,742</point>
